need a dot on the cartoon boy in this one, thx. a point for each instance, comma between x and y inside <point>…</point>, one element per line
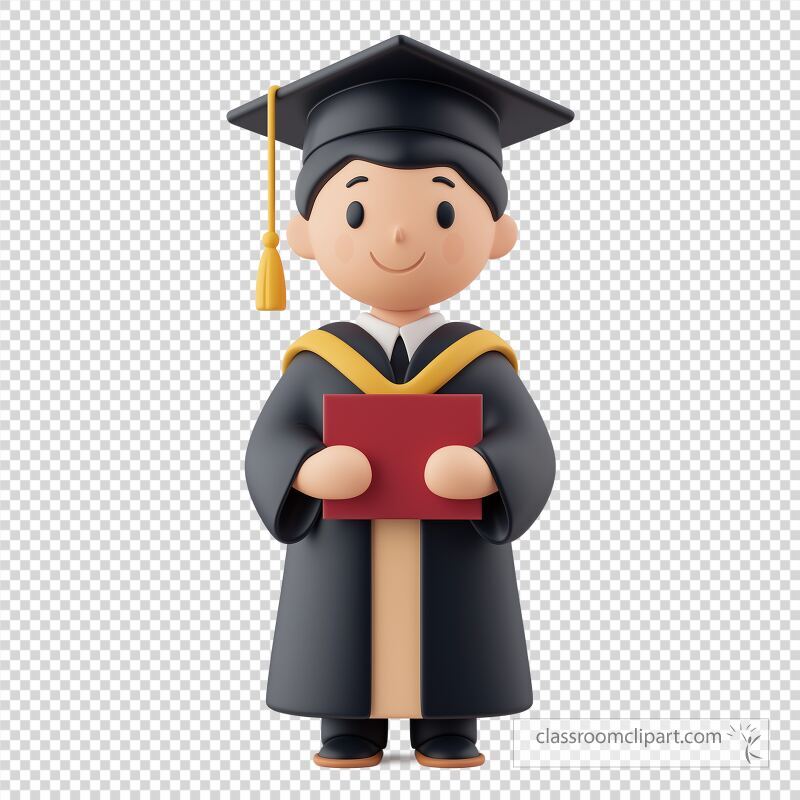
<point>401,199</point>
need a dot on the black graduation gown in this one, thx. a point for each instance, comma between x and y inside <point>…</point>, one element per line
<point>474,659</point>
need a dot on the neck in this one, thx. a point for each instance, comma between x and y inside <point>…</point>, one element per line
<point>399,318</point>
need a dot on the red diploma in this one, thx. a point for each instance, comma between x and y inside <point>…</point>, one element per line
<point>398,433</point>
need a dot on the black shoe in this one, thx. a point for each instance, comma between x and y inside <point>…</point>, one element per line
<point>449,751</point>
<point>348,751</point>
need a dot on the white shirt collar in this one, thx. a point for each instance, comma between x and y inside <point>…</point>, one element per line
<point>413,334</point>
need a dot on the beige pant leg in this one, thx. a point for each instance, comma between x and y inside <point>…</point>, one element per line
<point>396,618</point>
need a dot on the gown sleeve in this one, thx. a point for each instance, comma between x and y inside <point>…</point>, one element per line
<point>283,438</point>
<point>516,447</point>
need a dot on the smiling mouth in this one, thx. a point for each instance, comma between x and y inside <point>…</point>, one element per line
<point>392,269</point>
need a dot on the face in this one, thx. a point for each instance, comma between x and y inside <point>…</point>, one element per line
<point>400,239</point>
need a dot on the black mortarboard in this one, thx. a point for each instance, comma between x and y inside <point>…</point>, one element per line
<point>401,103</point>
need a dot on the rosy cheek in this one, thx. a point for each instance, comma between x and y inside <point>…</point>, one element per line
<point>344,247</point>
<point>453,247</point>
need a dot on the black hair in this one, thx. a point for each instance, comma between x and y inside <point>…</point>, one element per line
<point>402,150</point>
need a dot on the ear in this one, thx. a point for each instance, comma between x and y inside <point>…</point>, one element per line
<point>298,235</point>
<point>505,237</point>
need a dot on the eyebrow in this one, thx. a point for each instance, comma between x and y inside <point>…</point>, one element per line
<point>442,179</point>
<point>354,181</point>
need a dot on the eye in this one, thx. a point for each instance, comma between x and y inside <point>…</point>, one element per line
<point>355,214</point>
<point>445,214</point>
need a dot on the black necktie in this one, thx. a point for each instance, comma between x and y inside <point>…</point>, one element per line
<point>399,360</point>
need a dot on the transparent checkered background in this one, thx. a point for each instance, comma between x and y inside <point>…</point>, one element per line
<point>649,299</point>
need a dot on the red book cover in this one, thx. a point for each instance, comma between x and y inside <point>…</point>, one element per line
<point>398,433</point>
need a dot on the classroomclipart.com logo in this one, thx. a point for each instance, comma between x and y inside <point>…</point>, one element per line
<point>639,743</point>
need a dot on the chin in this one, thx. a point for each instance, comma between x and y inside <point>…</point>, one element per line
<point>388,297</point>
<point>394,304</point>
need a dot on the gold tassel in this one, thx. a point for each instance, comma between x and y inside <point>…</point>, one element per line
<point>270,284</point>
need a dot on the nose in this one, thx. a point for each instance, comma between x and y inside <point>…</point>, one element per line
<point>399,234</point>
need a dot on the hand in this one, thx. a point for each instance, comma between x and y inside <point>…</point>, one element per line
<point>459,473</point>
<point>335,473</point>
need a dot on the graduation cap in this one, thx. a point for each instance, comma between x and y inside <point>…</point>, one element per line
<point>399,103</point>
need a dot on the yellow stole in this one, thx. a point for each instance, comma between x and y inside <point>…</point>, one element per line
<point>430,379</point>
